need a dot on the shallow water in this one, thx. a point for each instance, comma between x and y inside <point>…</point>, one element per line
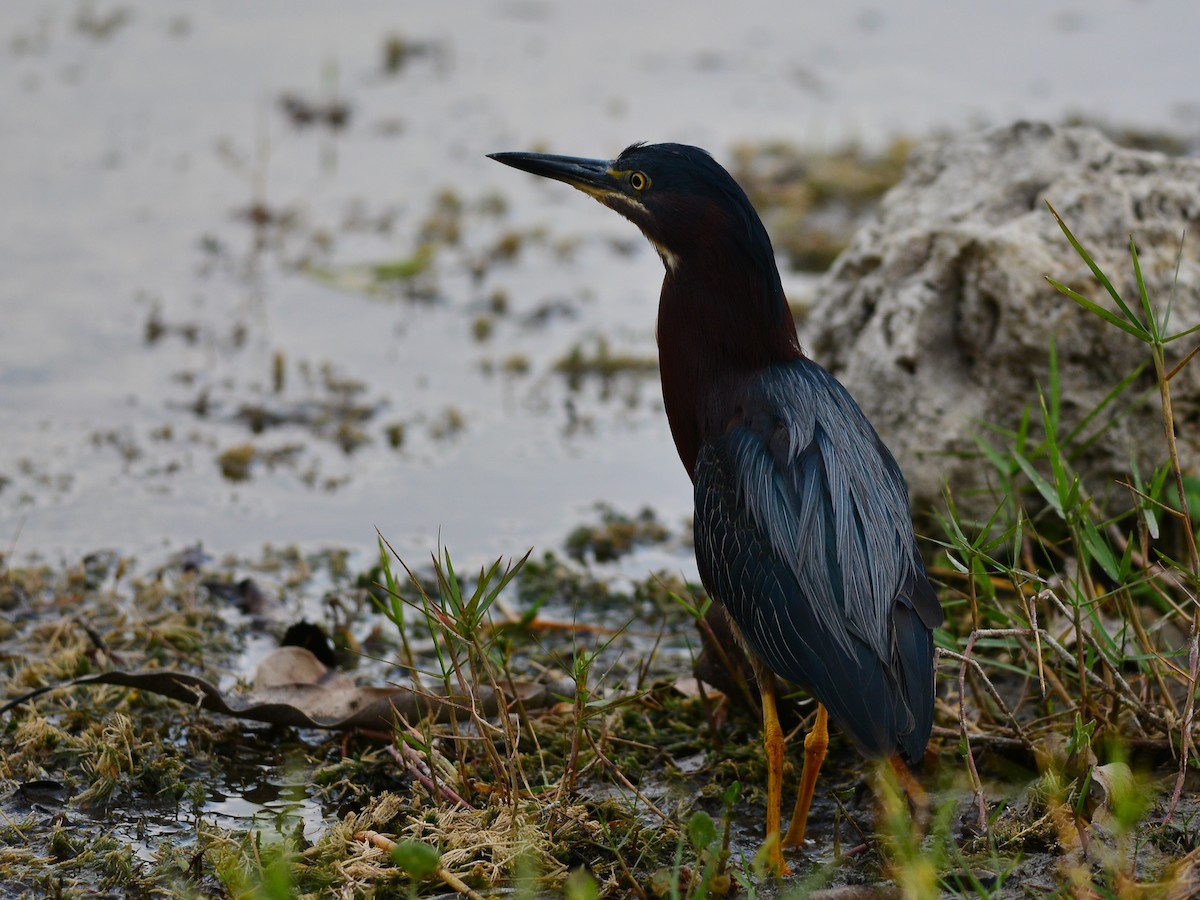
<point>135,133</point>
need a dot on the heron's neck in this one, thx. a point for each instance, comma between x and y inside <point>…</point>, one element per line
<point>714,333</point>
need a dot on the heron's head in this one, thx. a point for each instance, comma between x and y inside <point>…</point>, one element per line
<point>686,204</point>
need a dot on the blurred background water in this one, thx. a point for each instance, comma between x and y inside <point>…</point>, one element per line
<point>261,285</point>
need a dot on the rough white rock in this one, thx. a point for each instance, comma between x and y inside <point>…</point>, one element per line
<point>938,316</point>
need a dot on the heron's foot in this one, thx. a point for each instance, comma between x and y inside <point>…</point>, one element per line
<point>815,745</point>
<point>795,838</point>
<point>771,853</point>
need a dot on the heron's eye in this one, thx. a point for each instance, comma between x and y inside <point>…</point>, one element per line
<point>638,181</point>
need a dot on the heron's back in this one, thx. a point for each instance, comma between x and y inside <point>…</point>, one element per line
<point>804,533</point>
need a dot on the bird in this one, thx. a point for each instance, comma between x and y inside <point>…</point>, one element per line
<point>803,524</point>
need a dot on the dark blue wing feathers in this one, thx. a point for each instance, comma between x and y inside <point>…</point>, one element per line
<point>804,533</point>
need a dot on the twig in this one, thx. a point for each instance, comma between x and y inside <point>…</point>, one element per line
<point>853,824</point>
<point>1037,640</point>
<point>98,641</point>
<point>410,759</point>
<point>1189,535</point>
<point>982,739</point>
<point>621,777</point>
<point>1139,560</point>
<point>976,782</point>
<point>385,843</point>
<point>1185,727</point>
<point>1128,691</point>
<point>991,689</point>
<point>855,851</point>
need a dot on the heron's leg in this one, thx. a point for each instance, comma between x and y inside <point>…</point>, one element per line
<point>814,754</point>
<point>773,744</point>
<point>918,800</point>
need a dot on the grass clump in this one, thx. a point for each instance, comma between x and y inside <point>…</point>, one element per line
<point>1072,633</point>
<point>527,798</point>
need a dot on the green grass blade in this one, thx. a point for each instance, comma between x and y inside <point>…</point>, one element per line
<point>395,608</point>
<point>1063,483</point>
<point>1134,328</point>
<point>1151,323</point>
<point>1049,494</point>
<point>1149,513</point>
<point>1022,436</point>
<point>1052,425</point>
<point>451,590</point>
<point>1166,323</point>
<point>1100,551</point>
<point>493,592</point>
<point>1096,271</point>
<point>998,460</point>
<point>1182,334</point>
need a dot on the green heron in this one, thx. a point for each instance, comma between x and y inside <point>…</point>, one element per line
<point>803,528</point>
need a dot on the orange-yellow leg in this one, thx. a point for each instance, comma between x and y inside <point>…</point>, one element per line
<point>814,754</point>
<point>773,744</point>
<point>918,800</point>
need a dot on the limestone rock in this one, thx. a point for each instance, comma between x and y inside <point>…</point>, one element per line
<point>938,316</point>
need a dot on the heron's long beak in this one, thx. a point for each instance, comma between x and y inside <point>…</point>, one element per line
<point>592,176</point>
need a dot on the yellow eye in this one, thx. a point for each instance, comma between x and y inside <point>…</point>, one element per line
<point>638,181</point>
